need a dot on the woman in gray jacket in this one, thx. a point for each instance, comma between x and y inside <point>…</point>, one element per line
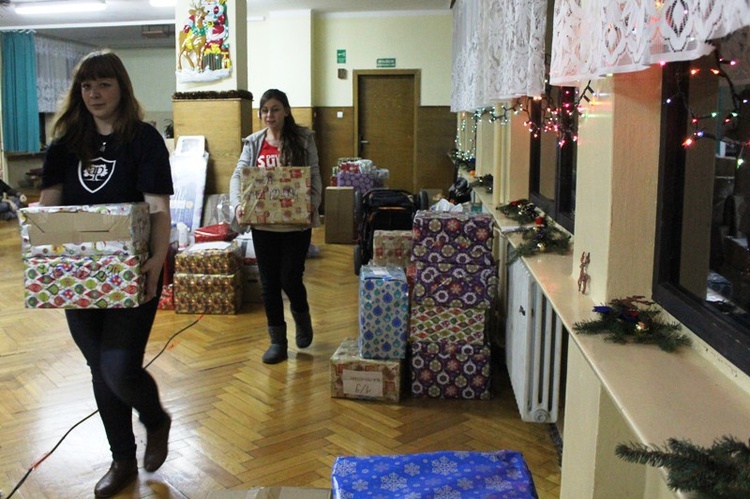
<point>281,249</point>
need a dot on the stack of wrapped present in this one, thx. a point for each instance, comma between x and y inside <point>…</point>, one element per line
<point>360,174</point>
<point>208,279</point>
<point>502,473</point>
<point>455,283</point>
<point>371,366</point>
<point>84,256</point>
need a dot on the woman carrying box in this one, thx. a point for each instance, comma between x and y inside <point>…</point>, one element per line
<point>104,153</point>
<point>280,250</point>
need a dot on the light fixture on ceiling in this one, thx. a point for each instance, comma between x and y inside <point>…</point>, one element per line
<point>58,7</point>
<point>163,3</point>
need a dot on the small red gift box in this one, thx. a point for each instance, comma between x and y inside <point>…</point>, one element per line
<point>212,233</point>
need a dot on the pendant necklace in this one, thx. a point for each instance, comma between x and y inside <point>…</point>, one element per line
<point>104,146</point>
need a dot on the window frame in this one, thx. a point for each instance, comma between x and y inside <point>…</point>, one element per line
<point>725,336</point>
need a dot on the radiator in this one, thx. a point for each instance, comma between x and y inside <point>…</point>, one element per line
<point>533,347</point>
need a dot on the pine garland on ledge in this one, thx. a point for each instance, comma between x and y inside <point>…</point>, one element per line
<point>522,211</point>
<point>213,95</point>
<point>633,319</point>
<point>542,237</point>
<point>722,471</point>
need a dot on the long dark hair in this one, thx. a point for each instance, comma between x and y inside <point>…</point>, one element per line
<point>74,125</point>
<point>293,136</point>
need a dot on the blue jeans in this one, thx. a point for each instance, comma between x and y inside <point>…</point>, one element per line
<point>281,265</point>
<point>113,341</point>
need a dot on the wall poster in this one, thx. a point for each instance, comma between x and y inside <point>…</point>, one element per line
<point>203,53</point>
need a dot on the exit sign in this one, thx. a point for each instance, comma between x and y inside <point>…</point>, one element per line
<point>341,56</point>
<point>389,62</point>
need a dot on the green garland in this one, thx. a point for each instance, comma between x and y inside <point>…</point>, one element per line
<point>543,237</point>
<point>722,471</point>
<point>522,211</point>
<point>213,95</point>
<point>626,319</point>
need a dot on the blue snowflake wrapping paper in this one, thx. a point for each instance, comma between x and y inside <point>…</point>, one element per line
<point>455,475</point>
<point>383,312</point>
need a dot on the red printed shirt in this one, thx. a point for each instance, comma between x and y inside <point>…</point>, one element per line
<point>269,156</point>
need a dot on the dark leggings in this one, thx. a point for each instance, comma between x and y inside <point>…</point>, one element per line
<point>113,341</point>
<point>281,265</point>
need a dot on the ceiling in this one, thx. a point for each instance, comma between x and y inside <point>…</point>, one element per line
<point>123,23</point>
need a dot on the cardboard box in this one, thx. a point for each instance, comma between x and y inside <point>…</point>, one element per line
<point>276,196</point>
<point>355,377</point>
<point>103,229</point>
<point>339,215</point>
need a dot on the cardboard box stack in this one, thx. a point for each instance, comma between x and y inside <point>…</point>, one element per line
<point>381,345</point>
<point>276,195</point>
<point>208,279</point>
<point>455,283</point>
<point>84,256</point>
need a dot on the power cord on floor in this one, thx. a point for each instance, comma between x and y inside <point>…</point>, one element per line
<point>48,454</point>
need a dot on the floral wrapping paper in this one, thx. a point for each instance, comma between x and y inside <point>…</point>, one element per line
<point>355,377</point>
<point>498,474</point>
<point>383,312</point>
<point>440,369</point>
<point>459,286</point>
<point>208,293</point>
<point>391,247</point>
<point>94,281</point>
<point>276,196</point>
<point>208,258</point>
<point>457,325</point>
<point>132,218</point>
<point>361,182</point>
<point>448,237</point>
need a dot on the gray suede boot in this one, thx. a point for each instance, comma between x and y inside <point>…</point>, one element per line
<point>304,329</point>
<point>277,351</point>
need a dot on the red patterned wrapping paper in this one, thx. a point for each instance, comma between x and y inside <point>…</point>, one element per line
<point>208,258</point>
<point>450,370</point>
<point>457,325</point>
<point>460,286</point>
<point>208,293</point>
<point>97,281</point>
<point>448,237</point>
<point>391,248</point>
<point>355,377</point>
<point>276,195</point>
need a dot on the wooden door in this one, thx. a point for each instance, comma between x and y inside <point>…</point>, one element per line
<point>385,122</point>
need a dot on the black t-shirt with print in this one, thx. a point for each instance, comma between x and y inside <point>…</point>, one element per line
<point>122,173</point>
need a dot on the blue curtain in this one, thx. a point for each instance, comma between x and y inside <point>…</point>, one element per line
<point>20,107</point>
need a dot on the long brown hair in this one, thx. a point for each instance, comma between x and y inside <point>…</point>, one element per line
<point>74,124</point>
<point>292,149</point>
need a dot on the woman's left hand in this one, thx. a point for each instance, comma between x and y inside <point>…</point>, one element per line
<point>151,269</point>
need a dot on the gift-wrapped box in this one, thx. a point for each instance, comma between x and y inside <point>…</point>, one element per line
<point>450,370</point>
<point>276,196</point>
<point>453,237</point>
<point>449,285</point>
<point>101,229</point>
<point>208,258</point>
<point>355,377</point>
<point>216,232</point>
<point>383,312</point>
<point>498,474</point>
<point>166,300</point>
<point>458,325</point>
<point>88,281</point>
<point>361,182</point>
<point>391,247</point>
<point>208,293</point>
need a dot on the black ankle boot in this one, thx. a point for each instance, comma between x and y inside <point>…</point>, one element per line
<point>304,329</point>
<point>157,446</point>
<point>120,475</point>
<point>277,351</point>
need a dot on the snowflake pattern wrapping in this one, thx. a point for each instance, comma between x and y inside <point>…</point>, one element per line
<point>460,286</point>
<point>383,312</point>
<point>500,474</point>
<point>457,238</point>
<point>448,370</point>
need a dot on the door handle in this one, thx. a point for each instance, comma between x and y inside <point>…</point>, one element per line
<point>364,142</point>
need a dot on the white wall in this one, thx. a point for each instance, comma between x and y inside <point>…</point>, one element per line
<point>152,72</point>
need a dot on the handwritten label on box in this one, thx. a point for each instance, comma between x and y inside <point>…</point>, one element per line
<point>362,383</point>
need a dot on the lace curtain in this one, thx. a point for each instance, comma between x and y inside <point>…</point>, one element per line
<point>498,51</point>
<point>592,38</point>
<point>55,61</point>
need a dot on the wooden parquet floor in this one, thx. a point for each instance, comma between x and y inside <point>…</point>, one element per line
<point>238,423</point>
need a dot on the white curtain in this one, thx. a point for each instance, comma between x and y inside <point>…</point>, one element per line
<point>55,61</point>
<point>498,51</point>
<point>593,38</point>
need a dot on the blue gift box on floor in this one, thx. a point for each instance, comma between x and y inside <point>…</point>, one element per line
<point>498,474</point>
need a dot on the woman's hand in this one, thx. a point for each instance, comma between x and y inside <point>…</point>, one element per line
<point>151,270</point>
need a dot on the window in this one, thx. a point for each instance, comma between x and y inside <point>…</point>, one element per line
<point>702,262</point>
<point>553,155</point>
